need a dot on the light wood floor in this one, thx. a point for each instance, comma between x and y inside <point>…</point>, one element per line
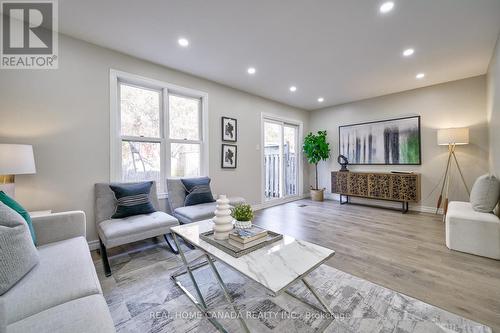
<point>406,253</point>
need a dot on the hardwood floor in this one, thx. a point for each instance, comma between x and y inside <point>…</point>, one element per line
<point>406,253</point>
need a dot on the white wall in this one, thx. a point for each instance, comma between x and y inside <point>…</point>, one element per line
<point>494,110</point>
<point>64,114</point>
<point>454,104</point>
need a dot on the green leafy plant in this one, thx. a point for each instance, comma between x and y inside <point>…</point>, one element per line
<point>242,212</point>
<point>316,149</point>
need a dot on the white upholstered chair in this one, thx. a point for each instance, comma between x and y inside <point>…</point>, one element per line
<point>472,232</point>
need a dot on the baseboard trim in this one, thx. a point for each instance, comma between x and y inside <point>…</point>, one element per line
<point>388,204</point>
<point>432,210</point>
<point>278,202</point>
<point>93,244</point>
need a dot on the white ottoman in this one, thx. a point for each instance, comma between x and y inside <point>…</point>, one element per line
<point>472,232</point>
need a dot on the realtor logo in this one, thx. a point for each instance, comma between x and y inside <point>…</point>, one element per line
<point>29,35</point>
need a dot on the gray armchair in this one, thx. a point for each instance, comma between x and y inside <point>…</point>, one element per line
<point>116,232</point>
<point>188,214</point>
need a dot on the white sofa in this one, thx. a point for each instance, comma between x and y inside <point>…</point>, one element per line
<point>62,293</point>
<point>472,232</point>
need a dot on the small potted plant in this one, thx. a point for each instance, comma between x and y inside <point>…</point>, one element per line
<point>316,149</point>
<point>243,214</point>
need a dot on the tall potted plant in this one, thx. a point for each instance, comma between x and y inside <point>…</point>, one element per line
<point>316,149</point>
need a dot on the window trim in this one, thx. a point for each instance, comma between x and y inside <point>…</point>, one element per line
<point>115,78</point>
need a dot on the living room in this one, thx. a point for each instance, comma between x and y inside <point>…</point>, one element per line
<point>353,144</point>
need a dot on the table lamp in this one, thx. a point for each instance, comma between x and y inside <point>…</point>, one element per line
<point>451,137</point>
<point>14,160</point>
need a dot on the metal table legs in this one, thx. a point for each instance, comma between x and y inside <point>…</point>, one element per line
<point>226,293</point>
<point>200,301</point>
<point>405,206</point>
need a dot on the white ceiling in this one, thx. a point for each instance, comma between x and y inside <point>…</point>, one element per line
<point>342,50</point>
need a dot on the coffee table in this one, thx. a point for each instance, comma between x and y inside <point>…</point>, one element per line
<point>275,267</point>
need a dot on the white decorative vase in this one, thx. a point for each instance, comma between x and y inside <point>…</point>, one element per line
<point>242,224</point>
<point>223,219</point>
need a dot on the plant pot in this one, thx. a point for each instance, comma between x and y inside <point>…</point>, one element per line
<point>242,224</point>
<point>317,195</point>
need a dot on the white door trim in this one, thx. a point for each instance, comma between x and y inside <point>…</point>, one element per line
<point>300,137</point>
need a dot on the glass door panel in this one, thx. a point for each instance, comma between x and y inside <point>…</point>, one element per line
<point>272,159</point>
<point>280,159</point>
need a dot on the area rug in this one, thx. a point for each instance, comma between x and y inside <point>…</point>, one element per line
<point>142,298</point>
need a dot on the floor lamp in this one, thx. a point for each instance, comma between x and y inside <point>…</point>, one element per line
<point>451,137</point>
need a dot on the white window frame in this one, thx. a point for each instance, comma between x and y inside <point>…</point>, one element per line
<point>115,78</point>
<point>268,117</point>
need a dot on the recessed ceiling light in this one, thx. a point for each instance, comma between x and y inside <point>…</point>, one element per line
<point>420,75</point>
<point>251,70</point>
<point>408,52</point>
<point>183,42</point>
<point>293,88</point>
<point>386,7</point>
<point>321,99</point>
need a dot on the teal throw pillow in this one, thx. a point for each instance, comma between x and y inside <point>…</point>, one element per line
<point>14,205</point>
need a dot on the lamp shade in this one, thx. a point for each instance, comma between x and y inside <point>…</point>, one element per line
<point>453,136</point>
<point>16,159</point>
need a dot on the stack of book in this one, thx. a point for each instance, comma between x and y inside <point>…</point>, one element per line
<point>246,238</point>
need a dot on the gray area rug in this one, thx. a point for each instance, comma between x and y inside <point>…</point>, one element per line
<point>142,298</point>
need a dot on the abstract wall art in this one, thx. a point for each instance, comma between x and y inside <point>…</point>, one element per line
<point>229,129</point>
<point>394,141</point>
<point>229,156</point>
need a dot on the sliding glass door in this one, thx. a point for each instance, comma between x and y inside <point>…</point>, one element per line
<point>281,164</point>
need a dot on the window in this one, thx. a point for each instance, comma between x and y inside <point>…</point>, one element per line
<point>184,132</point>
<point>158,130</point>
<point>140,113</point>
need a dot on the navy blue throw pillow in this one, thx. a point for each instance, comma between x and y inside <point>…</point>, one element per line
<point>133,199</point>
<point>198,191</point>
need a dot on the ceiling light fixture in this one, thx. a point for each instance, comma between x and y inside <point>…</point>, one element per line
<point>251,70</point>
<point>386,7</point>
<point>408,52</point>
<point>420,76</point>
<point>293,88</point>
<point>321,99</point>
<point>183,42</point>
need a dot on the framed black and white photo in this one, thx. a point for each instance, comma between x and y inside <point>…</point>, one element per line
<point>229,156</point>
<point>229,129</point>
<point>386,142</point>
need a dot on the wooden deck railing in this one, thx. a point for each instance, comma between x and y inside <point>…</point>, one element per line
<point>272,175</point>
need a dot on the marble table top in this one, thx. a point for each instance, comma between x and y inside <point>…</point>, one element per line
<point>275,266</point>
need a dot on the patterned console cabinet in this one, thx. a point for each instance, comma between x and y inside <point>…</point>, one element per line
<point>403,188</point>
